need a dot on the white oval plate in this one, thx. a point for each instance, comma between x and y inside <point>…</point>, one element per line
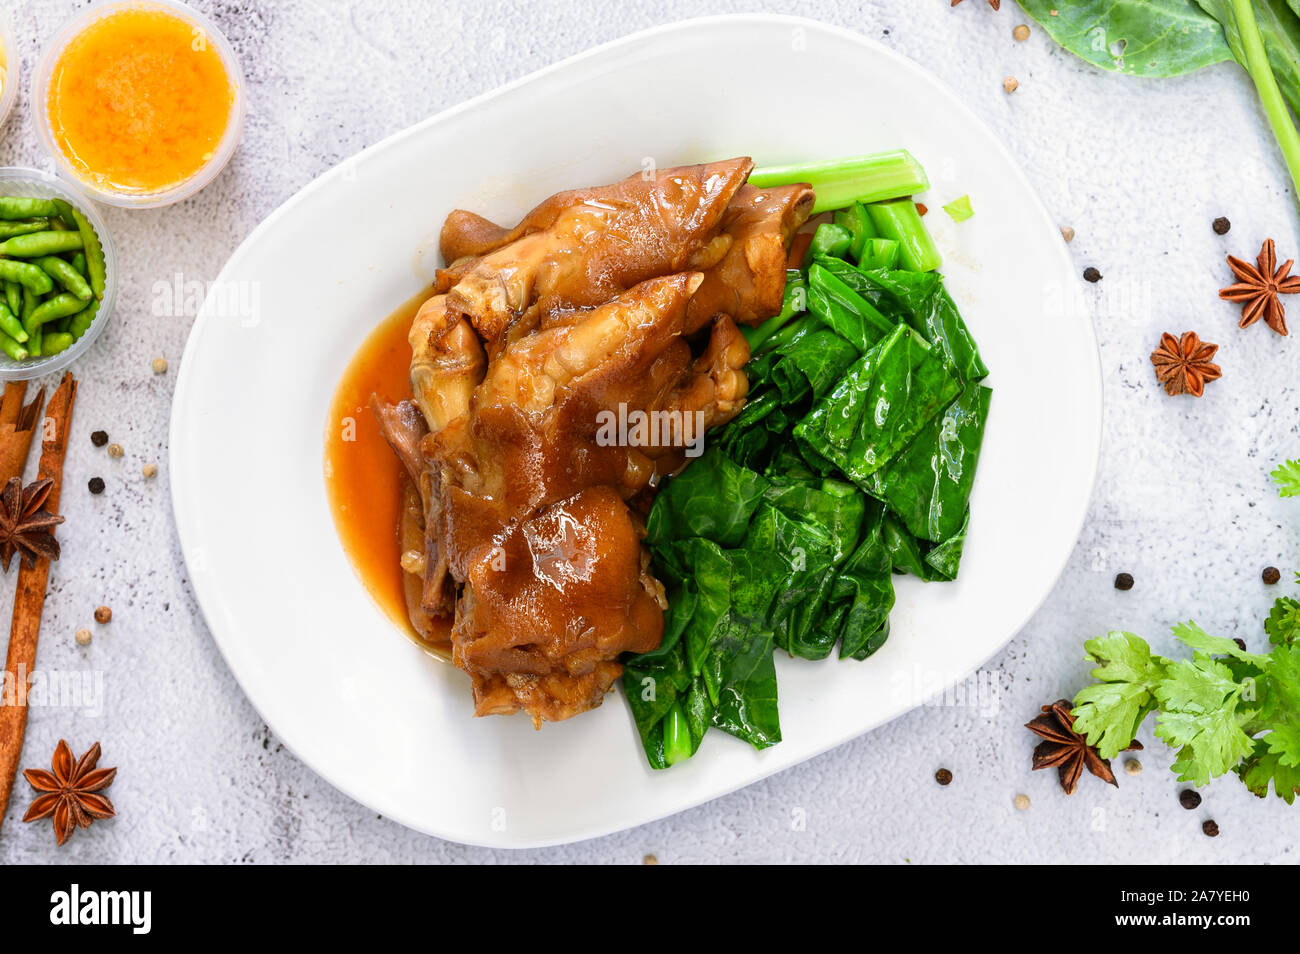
<point>392,727</point>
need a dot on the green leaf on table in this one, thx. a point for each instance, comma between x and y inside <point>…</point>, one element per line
<point>1109,711</point>
<point>1199,700</point>
<point>1283,623</point>
<point>1138,37</point>
<point>1276,755</point>
<point>1280,31</point>
<point>1192,636</point>
<point>1287,478</point>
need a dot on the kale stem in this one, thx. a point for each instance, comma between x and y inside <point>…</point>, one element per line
<point>841,182</point>
<point>794,302</point>
<point>899,220</point>
<point>1279,118</point>
<point>677,736</point>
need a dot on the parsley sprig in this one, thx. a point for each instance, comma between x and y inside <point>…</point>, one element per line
<point>1224,709</point>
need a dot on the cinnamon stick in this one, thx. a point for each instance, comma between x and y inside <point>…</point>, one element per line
<point>29,601</point>
<point>17,425</point>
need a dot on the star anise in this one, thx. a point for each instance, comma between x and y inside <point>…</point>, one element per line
<point>25,524</point>
<point>1183,364</point>
<point>1259,285</point>
<point>1066,750</point>
<point>995,4</point>
<point>69,792</point>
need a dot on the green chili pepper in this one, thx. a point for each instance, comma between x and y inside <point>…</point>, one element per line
<point>78,261</point>
<point>26,207</point>
<point>56,307</point>
<point>80,323</point>
<point>10,324</point>
<point>14,297</point>
<point>96,273</point>
<point>35,244</point>
<point>55,342</point>
<point>13,348</point>
<point>67,276</point>
<point>27,275</point>
<point>22,227</point>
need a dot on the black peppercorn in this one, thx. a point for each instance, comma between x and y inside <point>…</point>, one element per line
<point>1221,225</point>
<point>1271,575</point>
<point>99,438</point>
<point>1123,581</point>
<point>1241,643</point>
<point>1091,274</point>
<point>1189,798</point>
<point>96,485</point>
<point>943,776</point>
<point>1211,828</point>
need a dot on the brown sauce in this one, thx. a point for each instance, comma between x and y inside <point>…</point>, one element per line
<point>363,477</point>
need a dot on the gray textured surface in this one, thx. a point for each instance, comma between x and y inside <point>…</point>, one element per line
<point>1183,501</point>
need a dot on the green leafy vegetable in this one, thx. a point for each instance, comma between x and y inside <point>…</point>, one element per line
<point>1287,478</point>
<point>1171,37</point>
<point>852,460</point>
<point>1138,37</point>
<point>1224,709</point>
<point>1110,711</point>
<point>882,402</point>
<point>928,483</point>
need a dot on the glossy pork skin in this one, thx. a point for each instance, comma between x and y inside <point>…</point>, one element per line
<point>587,307</point>
<point>581,248</point>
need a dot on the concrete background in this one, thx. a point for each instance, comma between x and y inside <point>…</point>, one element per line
<point>1183,502</point>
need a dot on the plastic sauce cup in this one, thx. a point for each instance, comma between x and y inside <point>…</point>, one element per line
<point>204,29</point>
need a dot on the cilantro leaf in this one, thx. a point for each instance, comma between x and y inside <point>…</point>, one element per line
<point>1110,711</point>
<point>1196,638</point>
<point>1283,623</point>
<point>1264,767</point>
<point>1281,712</point>
<point>1198,715</point>
<point>1287,478</point>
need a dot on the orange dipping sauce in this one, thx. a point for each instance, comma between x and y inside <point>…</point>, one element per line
<point>363,477</point>
<point>139,100</point>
